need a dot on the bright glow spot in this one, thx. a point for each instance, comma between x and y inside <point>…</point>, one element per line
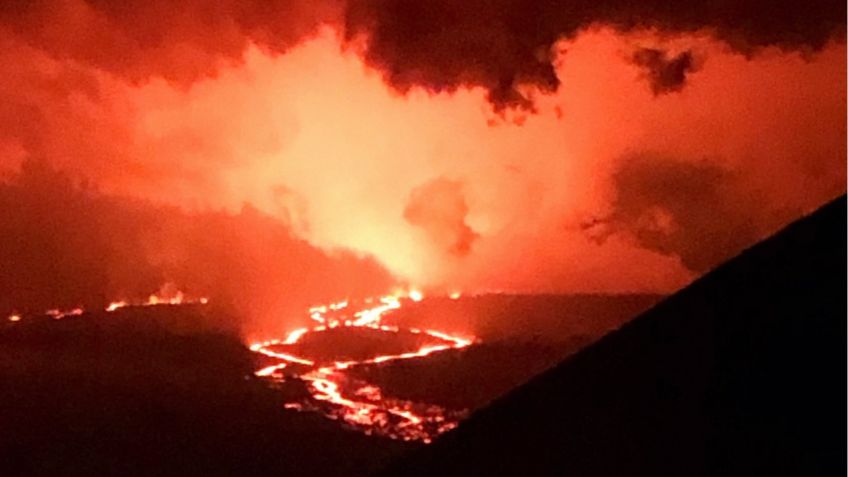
<point>116,305</point>
<point>57,314</point>
<point>295,335</point>
<point>270,370</point>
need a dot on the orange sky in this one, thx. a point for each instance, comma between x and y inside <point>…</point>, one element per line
<point>608,187</point>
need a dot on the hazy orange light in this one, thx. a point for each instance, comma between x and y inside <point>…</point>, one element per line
<point>115,305</point>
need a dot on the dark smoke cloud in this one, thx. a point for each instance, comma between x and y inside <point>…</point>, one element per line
<point>440,45</point>
<point>499,45</point>
<point>665,73</point>
<point>439,208</point>
<point>64,245</point>
<point>697,210</point>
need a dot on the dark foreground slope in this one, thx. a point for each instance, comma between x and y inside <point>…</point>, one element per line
<point>741,373</point>
<point>153,392</point>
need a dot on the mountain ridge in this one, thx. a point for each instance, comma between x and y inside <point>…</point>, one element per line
<point>739,387</point>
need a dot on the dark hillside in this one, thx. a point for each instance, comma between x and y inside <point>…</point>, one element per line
<point>741,373</point>
<point>146,391</point>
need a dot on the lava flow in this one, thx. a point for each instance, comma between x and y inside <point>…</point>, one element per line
<point>165,296</point>
<point>332,391</point>
<point>359,404</point>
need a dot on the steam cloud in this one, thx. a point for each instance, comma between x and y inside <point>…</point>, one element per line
<point>64,245</point>
<point>183,43</point>
<point>439,208</point>
<point>259,152</point>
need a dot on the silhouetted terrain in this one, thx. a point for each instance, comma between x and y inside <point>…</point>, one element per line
<point>519,337</point>
<point>551,319</point>
<point>741,373</point>
<point>353,343</point>
<point>468,378</point>
<point>169,390</point>
<point>146,391</point>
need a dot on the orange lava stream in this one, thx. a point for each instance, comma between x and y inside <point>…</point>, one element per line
<point>177,298</point>
<point>160,298</point>
<point>360,405</point>
<point>364,408</point>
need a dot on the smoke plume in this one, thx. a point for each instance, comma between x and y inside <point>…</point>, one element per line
<point>665,74</point>
<point>439,208</point>
<point>64,245</point>
<point>277,154</point>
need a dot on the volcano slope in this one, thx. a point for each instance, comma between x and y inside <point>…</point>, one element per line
<point>161,391</point>
<point>741,373</point>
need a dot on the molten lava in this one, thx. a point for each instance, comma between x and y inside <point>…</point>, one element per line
<point>165,296</point>
<point>359,404</point>
<point>332,391</point>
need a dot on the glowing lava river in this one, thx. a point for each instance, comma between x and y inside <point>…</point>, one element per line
<point>325,368</point>
<point>338,395</point>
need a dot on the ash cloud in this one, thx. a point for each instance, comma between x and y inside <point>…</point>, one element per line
<point>501,45</point>
<point>665,73</point>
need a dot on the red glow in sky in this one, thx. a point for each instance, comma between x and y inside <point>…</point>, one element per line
<point>610,183</point>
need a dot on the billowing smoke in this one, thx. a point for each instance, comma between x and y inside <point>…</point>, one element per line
<point>502,45</point>
<point>665,73</point>
<point>439,208</point>
<point>64,245</point>
<point>675,206</point>
<point>261,152</point>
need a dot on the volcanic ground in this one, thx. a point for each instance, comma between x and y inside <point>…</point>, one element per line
<point>153,385</point>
